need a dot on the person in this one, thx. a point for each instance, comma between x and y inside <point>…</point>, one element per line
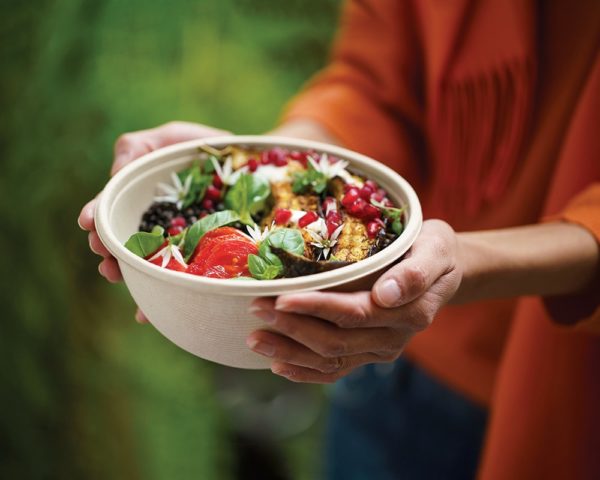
<point>490,109</point>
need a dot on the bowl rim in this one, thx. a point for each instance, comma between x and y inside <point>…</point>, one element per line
<point>318,281</point>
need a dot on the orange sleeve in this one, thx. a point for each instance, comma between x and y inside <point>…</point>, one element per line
<point>371,94</point>
<point>583,308</point>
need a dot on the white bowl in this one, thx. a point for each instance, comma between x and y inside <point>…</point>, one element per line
<point>209,317</point>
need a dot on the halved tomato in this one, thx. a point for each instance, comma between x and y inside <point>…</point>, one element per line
<point>172,265</point>
<point>224,254</point>
<point>216,237</point>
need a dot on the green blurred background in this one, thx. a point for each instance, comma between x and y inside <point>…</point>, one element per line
<point>85,391</point>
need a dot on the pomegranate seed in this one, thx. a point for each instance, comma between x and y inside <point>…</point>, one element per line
<point>217,182</point>
<point>264,158</point>
<point>277,156</point>
<point>348,186</point>
<point>358,207</point>
<point>366,192</point>
<point>350,197</point>
<point>202,214</point>
<point>370,212</point>
<point>373,229</point>
<point>307,219</point>
<point>386,202</point>
<point>212,193</point>
<point>282,216</point>
<point>252,164</point>
<point>178,222</point>
<point>377,197</point>
<point>372,185</point>
<point>174,231</point>
<point>208,204</point>
<point>331,227</point>
<point>298,156</point>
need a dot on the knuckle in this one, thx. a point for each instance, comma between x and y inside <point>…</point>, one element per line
<point>357,318</point>
<point>334,348</point>
<point>440,247</point>
<point>333,365</point>
<point>124,141</point>
<point>416,279</point>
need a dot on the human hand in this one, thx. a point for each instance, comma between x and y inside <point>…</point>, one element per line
<point>319,337</point>
<point>128,147</point>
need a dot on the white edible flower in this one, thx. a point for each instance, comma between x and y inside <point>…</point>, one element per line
<point>257,235</point>
<point>225,172</point>
<point>170,251</point>
<point>332,169</point>
<point>175,193</point>
<point>273,173</point>
<point>319,233</point>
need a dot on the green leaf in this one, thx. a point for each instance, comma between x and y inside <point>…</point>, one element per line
<point>199,183</point>
<point>288,239</point>
<point>145,243</point>
<point>208,166</point>
<point>261,269</point>
<point>309,179</point>
<point>199,228</point>
<point>394,214</point>
<point>248,196</point>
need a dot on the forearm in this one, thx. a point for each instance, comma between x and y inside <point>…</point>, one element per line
<point>306,129</point>
<point>546,259</point>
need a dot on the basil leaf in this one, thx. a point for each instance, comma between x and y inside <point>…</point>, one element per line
<point>199,228</point>
<point>208,166</point>
<point>262,269</point>
<point>309,179</point>
<point>145,243</point>
<point>199,182</point>
<point>288,239</point>
<point>248,196</point>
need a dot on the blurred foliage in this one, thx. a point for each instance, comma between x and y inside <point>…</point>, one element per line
<point>85,392</point>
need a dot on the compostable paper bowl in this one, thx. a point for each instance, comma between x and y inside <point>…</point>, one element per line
<point>209,317</point>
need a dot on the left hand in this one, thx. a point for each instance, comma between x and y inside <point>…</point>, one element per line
<point>319,337</point>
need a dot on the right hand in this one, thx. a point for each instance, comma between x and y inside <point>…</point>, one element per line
<point>128,147</point>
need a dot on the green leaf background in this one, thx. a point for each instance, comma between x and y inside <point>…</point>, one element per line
<point>86,393</point>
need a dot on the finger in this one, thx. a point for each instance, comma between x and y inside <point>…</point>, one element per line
<point>430,257</point>
<point>347,310</point>
<point>130,146</point>
<point>109,269</point>
<point>283,349</point>
<point>97,246</point>
<point>296,373</point>
<point>86,216</point>
<point>140,317</point>
<point>329,340</point>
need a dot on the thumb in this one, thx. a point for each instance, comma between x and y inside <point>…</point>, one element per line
<point>430,257</point>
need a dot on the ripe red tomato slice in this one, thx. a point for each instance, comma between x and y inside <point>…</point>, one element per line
<point>216,237</point>
<point>223,254</point>
<point>172,265</point>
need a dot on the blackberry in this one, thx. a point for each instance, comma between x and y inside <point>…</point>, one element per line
<point>159,213</point>
<point>192,213</point>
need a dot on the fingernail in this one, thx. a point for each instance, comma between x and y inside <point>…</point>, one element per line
<point>261,347</point>
<point>139,318</point>
<point>266,316</point>
<point>389,293</point>
<point>101,268</point>
<point>253,309</point>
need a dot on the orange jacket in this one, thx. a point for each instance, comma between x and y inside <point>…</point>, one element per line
<point>491,109</point>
